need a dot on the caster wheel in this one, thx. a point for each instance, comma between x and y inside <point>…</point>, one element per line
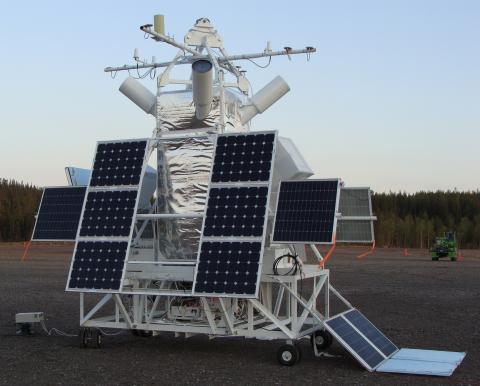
<point>82,338</point>
<point>145,333</point>
<point>90,337</point>
<point>322,339</point>
<point>135,332</point>
<point>288,355</point>
<point>96,338</point>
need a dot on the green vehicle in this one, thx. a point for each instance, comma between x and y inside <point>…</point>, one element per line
<point>445,246</point>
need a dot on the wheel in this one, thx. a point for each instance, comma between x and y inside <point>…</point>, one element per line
<point>322,339</point>
<point>82,338</point>
<point>134,332</point>
<point>90,337</point>
<point>145,333</point>
<point>288,355</point>
<point>96,338</point>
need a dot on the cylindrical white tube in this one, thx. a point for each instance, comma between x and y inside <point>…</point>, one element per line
<point>264,98</point>
<point>202,87</point>
<point>139,94</point>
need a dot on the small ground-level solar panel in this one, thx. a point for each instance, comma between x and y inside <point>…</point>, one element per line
<point>306,211</point>
<point>59,214</point>
<point>371,332</point>
<point>233,232</point>
<point>361,338</point>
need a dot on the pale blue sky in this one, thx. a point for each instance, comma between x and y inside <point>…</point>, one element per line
<point>390,100</point>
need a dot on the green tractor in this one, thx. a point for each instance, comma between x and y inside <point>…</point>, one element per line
<point>445,246</point>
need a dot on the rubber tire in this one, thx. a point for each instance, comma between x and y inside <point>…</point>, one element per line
<point>288,355</point>
<point>145,333</point>
<point>322,339</point>
<point>82,337</point>
<point>96,338</point>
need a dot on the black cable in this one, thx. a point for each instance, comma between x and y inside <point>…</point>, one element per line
<point>293,270</point>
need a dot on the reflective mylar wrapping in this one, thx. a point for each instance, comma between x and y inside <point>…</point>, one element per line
<point>176,111</point>
<point>187,172</point>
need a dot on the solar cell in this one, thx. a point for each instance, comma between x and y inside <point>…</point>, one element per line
<point>98,265</point>
<point>108,213</point>
<point>244,157</point>
<point>306,211</point>
<point>354,342</point>
<point>236,211</point>
<point>359,231</point>
<point>118,163</point>
<point>354,202</point>
<point>371,332</point>
<point>59,213</point>
<point>228,268</point>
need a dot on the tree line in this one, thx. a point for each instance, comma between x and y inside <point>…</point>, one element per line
<point>404,220</point>
<point>413,220</point>
<point>18,206</point>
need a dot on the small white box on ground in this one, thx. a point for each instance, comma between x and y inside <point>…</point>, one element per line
<point>29,317</point>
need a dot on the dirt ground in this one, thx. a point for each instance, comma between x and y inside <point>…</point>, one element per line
<point>417,303</point>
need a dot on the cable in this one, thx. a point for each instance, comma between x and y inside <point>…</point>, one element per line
<point>56,331</point>
<point>259,65</point>
<point>297,265</point>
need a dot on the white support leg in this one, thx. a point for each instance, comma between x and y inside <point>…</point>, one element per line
<point>94,310</point>
<point>259,306</point>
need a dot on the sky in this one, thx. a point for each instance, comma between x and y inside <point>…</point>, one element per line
<point>390,100</point>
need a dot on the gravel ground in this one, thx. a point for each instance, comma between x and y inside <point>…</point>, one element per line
<point>414,301</point>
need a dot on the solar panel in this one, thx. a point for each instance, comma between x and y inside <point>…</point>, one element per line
<point>59,214</point>
<point>354,342</point>
<point>118,163</point>
<point>108,213</point>
<point>98,265</point>
<point>236,211</point>
<point>354,202</point>
<point>233,233</point>
<point>306,211</point>
<point>372,333</point>
<point>245,157</point>
<point>108,217</point>
<point>228,268</point>
<point>354,231</point>
<point>356,222</point>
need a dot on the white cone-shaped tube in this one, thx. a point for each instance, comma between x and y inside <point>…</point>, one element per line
<point>139,94</point>
<point>264,98</point>
<point>202,87</point>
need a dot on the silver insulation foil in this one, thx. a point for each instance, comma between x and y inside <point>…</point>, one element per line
<point>183,167</point>
<point>186,171</point>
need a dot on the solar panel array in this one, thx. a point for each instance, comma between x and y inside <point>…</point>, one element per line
<point>355,207</point>
<point>59,214</point>
<point>306,211</point>
<point>361,338</point>
<point>233,234</point>
<point>108,217</point>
